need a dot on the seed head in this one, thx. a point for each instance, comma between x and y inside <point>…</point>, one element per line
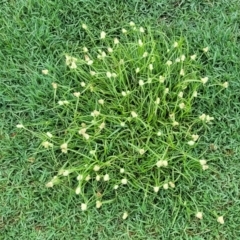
<point>220,220</point>
<point>84,206</point>
<point>199,215</point>
<point>125,215</point>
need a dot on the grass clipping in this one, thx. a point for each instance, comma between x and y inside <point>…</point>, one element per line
<point>129,122</point>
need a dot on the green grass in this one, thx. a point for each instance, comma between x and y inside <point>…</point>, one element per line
<point>36,35</point>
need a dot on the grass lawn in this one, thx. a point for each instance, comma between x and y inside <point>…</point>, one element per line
<point>37,35</point>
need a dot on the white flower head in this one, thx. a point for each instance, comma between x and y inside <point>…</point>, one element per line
<point>203,117</point>
<point>124,93</point>
<point>102,125</point>
<point>150,67</point>
<point>134,114</point>
<point>92,73</point>
<point>180,94</point>
<point>195,93</point>
<point>183,57</point>
<point>109,75</point>
<point>78,190</point>
<point>64,147</point>
<point>208,118</point>
<point>19,126</point>
<point>47,144</point>
<point>45,71</point>
<point>49,184</point>
<point>220,220</point>
<point>145,54</point>
<point>156,189</point>
<point>157,101</point>
<point>88,177</point>
<point>87,58</point>
<point>80,177</point>
<point>84,26</point>
<point>103,54</point>
<point>149,80</point>
<point>49,134</point>
<point>199,215</point>
<point>141,29</point>
<point>141,82</point>
<point>141,151</point>
<point>193,57</point>
<point>171,184</point>
<point>166,90</point>
<point>102,35</point>
<point>225,84</point>
<point>175,123</point>
<point>122,124</point>
<point>206,49</point>
<point>140,43</point>
<point>82,131</point>
<point>92,152</point>
<point>203,162</point>
<point>84,206</point>
<point>106,177</point>
<point>125,215</point>
<point>86,136</point>
<point>76,94</point>
<point>132,24</point>
<point>181,105</point>
<point>191,143</point>
<point>83,84</point>
<point>162,163</point>
<point>115,187</point>
<point>122,170</point>
<point>165,186</point>
<point>66,173</point>
<point>124,181</point>
<point>159,133</point>
<point>65,102</point>
<point>73,65</point>
<point>98,177</point>
<point>204,80</point>
<point>175,44</point>
<point>110,50</point>
<point>124,30</point>
<point>98,204</point>
<point>116,41</point>
<point>70,60</point>
<point>90,62</point>
<point>162,79</point>
<point>54,85</point>
<point>137,70</point>
<point>182,73</point>
<point>96,168</point>
<point>95,113</point>
<point>195,137</point>
<point>85,49</point>
<point>169,63</point>
<point>114,75</point>
<point>101,101</point>
<point>205,167</point>
<point>177,60</point>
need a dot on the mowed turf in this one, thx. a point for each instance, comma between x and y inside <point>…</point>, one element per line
<point>36,35</point>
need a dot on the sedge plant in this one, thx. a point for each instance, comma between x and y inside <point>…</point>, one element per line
<point>129,123</point>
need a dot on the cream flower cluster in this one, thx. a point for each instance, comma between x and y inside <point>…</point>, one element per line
<point>71,61</point>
